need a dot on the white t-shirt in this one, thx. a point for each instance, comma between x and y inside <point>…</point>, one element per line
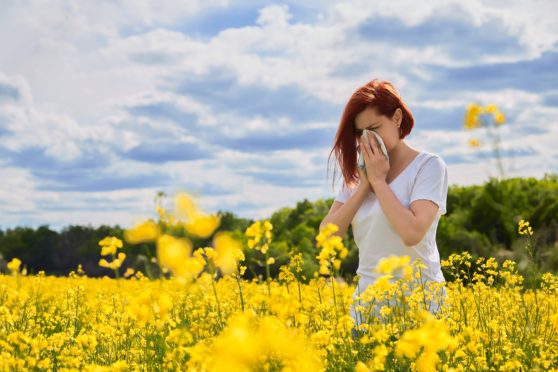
<point>426,177</point>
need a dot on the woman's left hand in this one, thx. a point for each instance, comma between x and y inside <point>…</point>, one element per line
<point>377,166</point>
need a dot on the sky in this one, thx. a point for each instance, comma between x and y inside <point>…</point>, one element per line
<point>105,103</point>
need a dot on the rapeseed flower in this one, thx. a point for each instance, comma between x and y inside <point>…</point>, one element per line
<point>472,116</point>
<point>524,228</point>
<point>146,231</point>
<point>14,265</point>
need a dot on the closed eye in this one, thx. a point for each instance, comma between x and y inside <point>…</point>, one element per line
<point>359,131</point>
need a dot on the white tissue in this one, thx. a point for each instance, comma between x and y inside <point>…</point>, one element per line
<point>360,162</point>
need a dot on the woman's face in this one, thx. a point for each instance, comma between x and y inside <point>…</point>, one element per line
<point>386,127</point>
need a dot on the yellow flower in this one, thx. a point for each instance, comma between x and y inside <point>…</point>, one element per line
<point>256,231</point>
<point>324,270</point>
<point>143,232</point>
<point>472,116</point>
<point>186,207</point>
<point>332,250</point>
<point>491,109</point>
<point>427,361</point>
<point>203,225</point>
<point>129,272</point>
<point>337,264</point>
<point>162,306</point>
<point>388,265</point>
<point>473,142</point>
<point>431,337</point>
<point>361,367</point>
<point>228,252</point>
<point>499,118</point>
<point>87,342</point>
<point>109,245</point>
<point>103,263</point>
<point>524,228</point>
<point>111,240</point>
<point>267,228</point>
<point>250,342</point>
<point>115,264</point>
<point>14,264</point>
<point>270,261</point>
<point>108,250</point>
<point>160,212</point>
<point>173,254</point>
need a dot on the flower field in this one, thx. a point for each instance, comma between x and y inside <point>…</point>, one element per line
<point>204,315</point>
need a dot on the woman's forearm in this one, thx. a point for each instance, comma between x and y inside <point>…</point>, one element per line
<point>344,215</point>
<point>400,218</point>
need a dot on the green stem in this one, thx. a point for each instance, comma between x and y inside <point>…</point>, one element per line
<point>332,278</point>
<point>216,300</point>
<point>267,271</point>
<point>240,289</point>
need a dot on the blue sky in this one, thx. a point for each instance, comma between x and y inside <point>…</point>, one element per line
<point>104,104</point>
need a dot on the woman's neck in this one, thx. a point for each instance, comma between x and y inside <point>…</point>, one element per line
<point>399,153</point>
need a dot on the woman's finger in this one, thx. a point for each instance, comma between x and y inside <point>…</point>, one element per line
<point>366,149</point>
<point>373,142</point>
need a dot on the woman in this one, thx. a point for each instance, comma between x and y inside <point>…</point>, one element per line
<point>394,207</point>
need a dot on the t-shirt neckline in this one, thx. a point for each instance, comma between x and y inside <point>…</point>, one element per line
<point>407,167</point>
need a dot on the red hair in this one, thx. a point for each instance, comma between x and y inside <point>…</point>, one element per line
<point>379,94</point>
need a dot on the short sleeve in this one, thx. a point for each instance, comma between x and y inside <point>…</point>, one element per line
<point>344,193</point>
<point>431,183</point>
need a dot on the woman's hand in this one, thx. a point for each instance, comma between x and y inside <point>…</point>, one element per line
<point>377,166</point>
<point>364,184</point>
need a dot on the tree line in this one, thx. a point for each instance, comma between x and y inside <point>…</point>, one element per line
<point>480,219</point>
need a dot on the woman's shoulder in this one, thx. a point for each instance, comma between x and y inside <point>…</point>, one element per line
<point>432,159</point>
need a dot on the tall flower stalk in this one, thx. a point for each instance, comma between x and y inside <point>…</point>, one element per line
<point>477,116</point>
<point>259,238</point>
<point>332,252</point>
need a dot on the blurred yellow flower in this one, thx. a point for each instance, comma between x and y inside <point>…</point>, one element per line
<point>87,342</point>
<point>473,142</point>
<point>388,265</point>
<point>429,338</point>
<point>499,118</point>
<point>173,254</point>
<point>203,225</point>
<point>228,252</point>
<point>14,264</point>
<point>109,245</point>
<point>324,270</point>
<point>114,264</point>
<point>267,228</point>
<point>129,272</point>
<point>250,342</point>
<point>150,306</point>
<point>186,208</point>
<point>472,116</point>
<point>111,241</point>
<point>143,232</point>
<point>108,250</point>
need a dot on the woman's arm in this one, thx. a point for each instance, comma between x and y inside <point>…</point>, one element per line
<point>342,214</point>
<point>410,224</point>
